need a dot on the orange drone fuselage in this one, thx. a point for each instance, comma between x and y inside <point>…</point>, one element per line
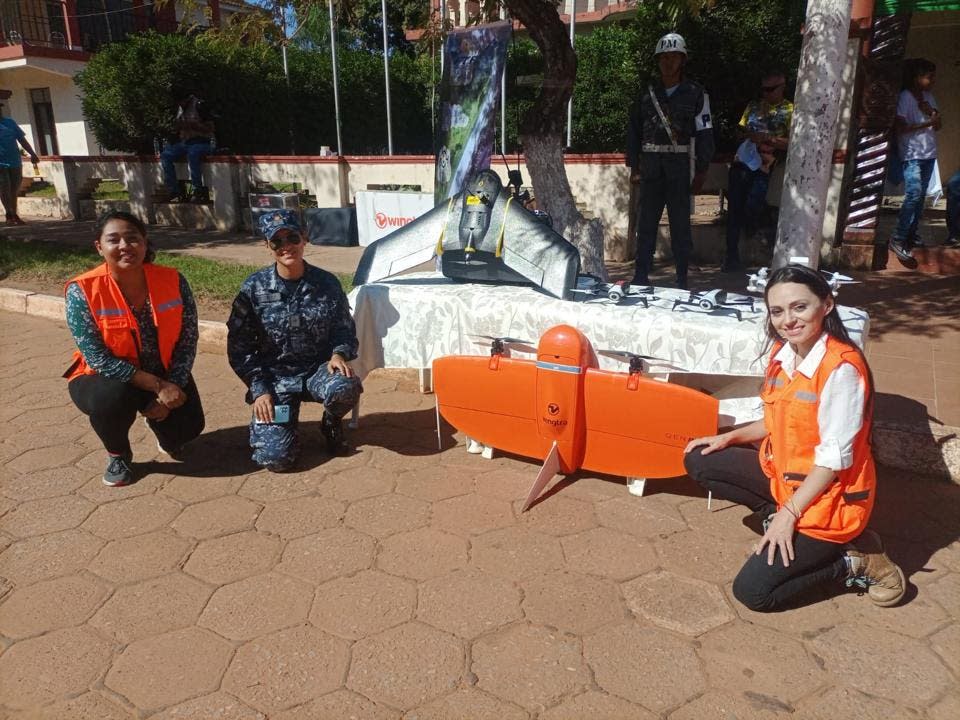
<point>607,422</point>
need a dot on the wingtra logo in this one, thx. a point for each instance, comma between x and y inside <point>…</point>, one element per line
<point>383,220</point>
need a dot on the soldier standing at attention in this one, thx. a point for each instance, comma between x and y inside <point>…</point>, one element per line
<point>289,338</point>
<point>670,130</point>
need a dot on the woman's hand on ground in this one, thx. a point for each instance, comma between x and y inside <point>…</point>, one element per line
<point>171,395</point>
<point>710,444</point>
<point>156,411</point>
<point>338,364</point>
<point>263,408</point>
<point>779,534</point>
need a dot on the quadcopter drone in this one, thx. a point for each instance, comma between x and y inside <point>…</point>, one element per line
<point>615,292</point>
<point>758,280</point>
<point>717,302</point>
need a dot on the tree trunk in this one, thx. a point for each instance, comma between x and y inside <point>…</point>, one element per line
<point>810,155</point>
<point>540,132</point>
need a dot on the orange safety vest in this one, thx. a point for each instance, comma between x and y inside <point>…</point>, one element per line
<point>116,321</point>
<point>790,409</point>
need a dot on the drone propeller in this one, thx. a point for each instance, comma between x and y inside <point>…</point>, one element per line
<point>513,343</point>
<point>634,359</point>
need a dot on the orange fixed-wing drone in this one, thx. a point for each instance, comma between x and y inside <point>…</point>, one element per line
<point>564,408</point>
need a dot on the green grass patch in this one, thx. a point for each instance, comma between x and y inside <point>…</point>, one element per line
<point>110,190</point>
<point>42,190</point>
<point>48,262</point>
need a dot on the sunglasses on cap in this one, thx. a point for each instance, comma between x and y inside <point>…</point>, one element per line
<point>281,238</point>
<point>771,88</point>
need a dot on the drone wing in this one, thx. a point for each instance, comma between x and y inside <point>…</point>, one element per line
<point>491,399</point>
<point>405,248</point>
<point>638,427</point>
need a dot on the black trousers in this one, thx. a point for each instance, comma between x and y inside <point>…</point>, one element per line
<point>666,182</point>
<point>112,406</point>
<point>735,474</point>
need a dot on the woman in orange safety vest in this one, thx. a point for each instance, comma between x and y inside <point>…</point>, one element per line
<point>135,326</point>
<point>813,482</point>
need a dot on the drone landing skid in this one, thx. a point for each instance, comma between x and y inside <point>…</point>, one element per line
<point>719,310</point>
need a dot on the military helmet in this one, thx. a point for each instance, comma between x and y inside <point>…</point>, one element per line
<point>671,42</point>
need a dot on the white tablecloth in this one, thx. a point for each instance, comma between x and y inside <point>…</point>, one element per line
<point>409,320</point>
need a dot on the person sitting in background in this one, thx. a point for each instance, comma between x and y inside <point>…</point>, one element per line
<point>289,338</point>
<point>11,164</point>
<point>765,127</point>
<point>194,126</point>
<point>135,326</point>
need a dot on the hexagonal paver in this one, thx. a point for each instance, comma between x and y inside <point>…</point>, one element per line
<point>422,554</point>
<point>472,514</point>
<point>648,666</point>
<point>255,606</point>
<point>638,517</point>
<point>946,591</point>
<point>558,516</point>
<point>46,458</point>
<point>340,704</point>
<point>723,519</point>
<point>356,484</point>
<point>946,644</point>
<point>152,607</point>
<point>300,516</point>
<point>730,704</point>
<point>52,666</point>
<point>43,483</point>
<point>265,487</point>
<point>508,485</point>
<point>387,514</point>
<point>529,665</point>
<point>46,515</point>
<point>287,668</point>
<point>608,553</point>
<point>738,655</point>
<point>947,708</point>
<point>194,489</point>
<point>406,666</point>
<point>677,603</point>
<point>96,492</point>
<point>225,559</point>
<point>47,556</point>
<point>363,604</point>
<point>517,553</point>
<point>468,602</point>
<point>132,516</point>
<point>167,669</point>
<point>434,483</point>
<point>221,516</point>
<point>140,557</point>
<point>468,703</point>
<point>596,706</point>
<point>707,557</point>
<point>575,603</point>
<point>917,618</point>
<point>49,605</point>
<point>805,620</point>
<point>328,554</point>
<point>842,702</point>
<point>89,706</point>
<point>218,706</point>
<point>888,665</point>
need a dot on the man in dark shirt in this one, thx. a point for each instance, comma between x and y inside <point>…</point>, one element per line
<point>289,338</point>
<point>670,129</point>
<point>194,125</point>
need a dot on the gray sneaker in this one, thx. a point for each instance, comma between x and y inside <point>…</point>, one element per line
<point>118,471</point>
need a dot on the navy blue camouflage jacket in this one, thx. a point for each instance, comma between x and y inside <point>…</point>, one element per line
<point>280,332</point>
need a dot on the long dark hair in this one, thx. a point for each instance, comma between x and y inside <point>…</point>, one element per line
<point>127,217</point>
<point>832,324</point>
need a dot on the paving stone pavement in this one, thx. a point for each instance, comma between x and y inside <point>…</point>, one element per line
<point>402,581</point>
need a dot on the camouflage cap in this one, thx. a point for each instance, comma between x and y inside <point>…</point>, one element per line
<point>276,220</point>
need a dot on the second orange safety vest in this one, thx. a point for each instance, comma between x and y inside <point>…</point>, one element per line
<point>790,407</point>
<point>116,321</point>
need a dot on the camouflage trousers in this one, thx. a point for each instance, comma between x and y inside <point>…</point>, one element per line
<point>278,444</point>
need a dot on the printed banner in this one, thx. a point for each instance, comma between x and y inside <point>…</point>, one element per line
<point>474,60</point>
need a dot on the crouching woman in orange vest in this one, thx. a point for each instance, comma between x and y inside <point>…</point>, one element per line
<point>813,482</point>
<point>135,326</point>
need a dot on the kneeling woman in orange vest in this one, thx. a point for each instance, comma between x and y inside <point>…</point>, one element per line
<point>814,479</point>
<point>135,325</point>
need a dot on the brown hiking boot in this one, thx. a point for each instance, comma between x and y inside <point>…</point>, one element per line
<point>873,571</point>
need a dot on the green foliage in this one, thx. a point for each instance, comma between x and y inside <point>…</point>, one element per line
<point>128,107</point>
